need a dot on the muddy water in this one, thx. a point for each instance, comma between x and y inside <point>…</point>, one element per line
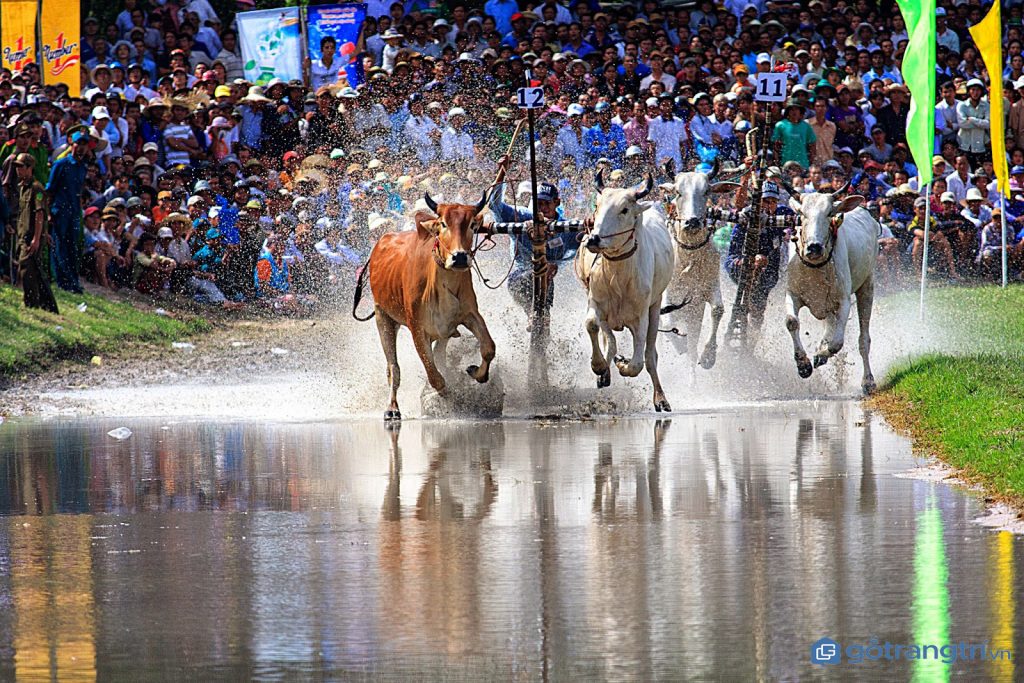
<point>715,545</point>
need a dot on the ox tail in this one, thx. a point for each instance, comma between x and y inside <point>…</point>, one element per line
<point>360,282</point>
<point>665,310</point>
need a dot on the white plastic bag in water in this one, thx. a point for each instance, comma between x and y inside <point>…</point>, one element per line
<point>278,351</point>
<point>121,433</point>
<point>184,346</point>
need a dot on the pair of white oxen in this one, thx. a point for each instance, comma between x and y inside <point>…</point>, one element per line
<point>633,259</point>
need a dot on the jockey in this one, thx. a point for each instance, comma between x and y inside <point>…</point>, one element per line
<point>559,247</point>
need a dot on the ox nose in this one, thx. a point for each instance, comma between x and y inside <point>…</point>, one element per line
<point>594,242</point>
<point>460,259</point>
<point>814,249</point>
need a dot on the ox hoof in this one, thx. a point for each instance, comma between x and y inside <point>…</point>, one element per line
<point>604,379</point>
<point>803,367</point>
<point>868,386</point>
<point>708,358</point>
<point>472,370</point>
<point>392,415</point>
<point>820,359</point>
<point>662,406</point>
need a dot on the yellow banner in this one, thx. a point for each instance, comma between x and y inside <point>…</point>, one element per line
<point>18,34</point>
<point>59,36</point>
<point>988,36</point>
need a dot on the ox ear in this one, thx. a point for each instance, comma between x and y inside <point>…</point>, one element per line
<point>848,204</point>
<point>427,228</point>
<point>723,186</point>
<point>667,187</point>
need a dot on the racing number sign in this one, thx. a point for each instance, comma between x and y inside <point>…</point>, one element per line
<point>531,98</point>
<point>771,87</point>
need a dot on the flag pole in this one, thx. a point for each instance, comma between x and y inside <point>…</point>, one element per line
<point>924,253</point>
<point>1002,221</point>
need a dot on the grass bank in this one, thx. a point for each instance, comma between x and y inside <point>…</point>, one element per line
<point>968,408</point>
<point>34,339</point>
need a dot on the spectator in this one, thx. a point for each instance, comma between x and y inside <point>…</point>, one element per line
<point>793,137</point>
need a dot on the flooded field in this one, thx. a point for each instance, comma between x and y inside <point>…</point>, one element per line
<point>718,544</point>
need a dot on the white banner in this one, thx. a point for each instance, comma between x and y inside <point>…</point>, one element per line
<point>271,44</point>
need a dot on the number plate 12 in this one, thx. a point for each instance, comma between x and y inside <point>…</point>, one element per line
<point>531,98</point>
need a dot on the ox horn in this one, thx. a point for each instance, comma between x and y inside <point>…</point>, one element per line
<point>670,168</point>
<point>841,190</point>
<point>481,204</point>
<point>599,179</point>
<point>648,186</point>
<point>430,202</point>
<point>715,168</point>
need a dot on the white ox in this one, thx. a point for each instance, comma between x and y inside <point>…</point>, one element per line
<point>837,244</point>
<point>626,267</point>
<point>696,280</point>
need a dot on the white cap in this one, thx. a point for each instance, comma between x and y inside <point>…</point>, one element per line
<point>947,197</point>
<point>651,102</point>
<point>456,111</point>
<point>151,147</point>
<point>975,82</point>
<point>164,232</point>
<point>523,188</point>
<point>100,113</point>
<point>193,200</point>
<point>575,110</point>
<point>764,57</point>
<point>974,195</point>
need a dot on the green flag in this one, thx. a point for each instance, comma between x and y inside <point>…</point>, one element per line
<point>919,75</point>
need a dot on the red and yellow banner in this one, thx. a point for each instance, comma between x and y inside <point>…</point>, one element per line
<point>59,36</point>
<point>18,33</point>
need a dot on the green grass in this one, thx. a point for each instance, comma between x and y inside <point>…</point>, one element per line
<point>969,409</point>
<point>34,339</point>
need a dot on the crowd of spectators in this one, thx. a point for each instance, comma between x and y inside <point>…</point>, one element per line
<point>172,173</point>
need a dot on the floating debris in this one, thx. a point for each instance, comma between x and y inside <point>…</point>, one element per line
<point>96,360</point>
<point>278,351</point>
<point>160,311</point>
<point>121,433</point>
<point>183,346</point>
<point>82,308</point>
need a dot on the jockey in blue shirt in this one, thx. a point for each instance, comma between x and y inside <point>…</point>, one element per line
<point>560,247</point>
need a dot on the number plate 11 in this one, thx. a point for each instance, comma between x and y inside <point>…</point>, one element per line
<point>771,87</point>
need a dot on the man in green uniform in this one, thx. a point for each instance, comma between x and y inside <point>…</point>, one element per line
<point>31,233</point>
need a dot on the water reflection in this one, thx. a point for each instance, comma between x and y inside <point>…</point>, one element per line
<point>717,545</point>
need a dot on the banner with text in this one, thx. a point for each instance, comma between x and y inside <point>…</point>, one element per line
<point>18,33</point>
<point>343,23</point>
<point>61,46</point>
<point>271,44</point>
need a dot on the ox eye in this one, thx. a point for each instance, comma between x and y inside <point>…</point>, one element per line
<point>624,211</point>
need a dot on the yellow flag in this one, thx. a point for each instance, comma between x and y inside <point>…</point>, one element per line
<point>18,36</point>
<point>988,36</point>
<point>62,51</point>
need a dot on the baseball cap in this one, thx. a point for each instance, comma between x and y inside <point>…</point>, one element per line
<point>770,190</point>
<point>193,200</point>
<point>151,147</point>
<point>547,192</point>
<point>1017,170</point>
<point>25,159</point>
<point>764,58</point>
<point>948,197</point>
<point>574,110</point>
<point>213,234</point>
<point>164,232</point>
<point>920,201</point>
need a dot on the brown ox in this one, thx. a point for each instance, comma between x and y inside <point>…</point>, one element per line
<point>422,280</point>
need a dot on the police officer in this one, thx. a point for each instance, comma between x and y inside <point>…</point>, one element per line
<point>765,273</point>
<point>559,247</point>
<point>31,236</point>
